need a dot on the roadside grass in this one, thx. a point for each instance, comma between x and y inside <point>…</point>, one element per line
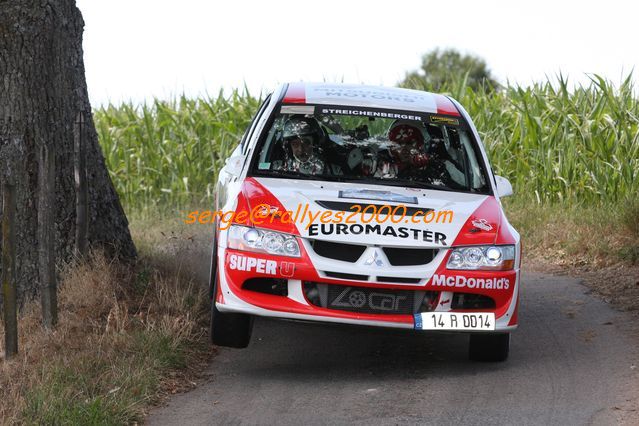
<point>598,244</point>
<point>126,334</point>
<point>572,234</point>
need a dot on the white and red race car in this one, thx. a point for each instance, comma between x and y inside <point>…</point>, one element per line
<point>364,205</point>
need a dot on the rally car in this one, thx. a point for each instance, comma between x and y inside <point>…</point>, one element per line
<point>364,205</point>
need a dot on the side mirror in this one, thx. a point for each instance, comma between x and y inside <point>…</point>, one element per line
<point>233,165</point>
<point>504,188</point>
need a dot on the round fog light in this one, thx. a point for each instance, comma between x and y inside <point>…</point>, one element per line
<point>493,254</point>
<point>251,236</point>
<point>290,246</point>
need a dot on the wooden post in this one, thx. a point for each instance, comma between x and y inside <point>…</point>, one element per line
<point>81,189</point>
<point>9,289</point>
<point>46,224</point>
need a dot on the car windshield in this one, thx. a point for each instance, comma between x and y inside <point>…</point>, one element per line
<point>402,149</point>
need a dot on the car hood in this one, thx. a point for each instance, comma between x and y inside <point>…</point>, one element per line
<point>475,218</point>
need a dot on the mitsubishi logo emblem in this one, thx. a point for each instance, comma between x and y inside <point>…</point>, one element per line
<point>374,260</point>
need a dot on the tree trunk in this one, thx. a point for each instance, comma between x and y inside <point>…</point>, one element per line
<point>42,91</point>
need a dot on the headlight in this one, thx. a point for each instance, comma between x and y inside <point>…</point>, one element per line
<point>494,258</point>
<point>262,241</point>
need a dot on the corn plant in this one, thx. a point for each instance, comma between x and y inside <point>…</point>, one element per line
<point>168,153</point>
<point>555,144</point>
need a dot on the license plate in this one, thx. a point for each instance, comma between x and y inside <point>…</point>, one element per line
<point>455,321</point>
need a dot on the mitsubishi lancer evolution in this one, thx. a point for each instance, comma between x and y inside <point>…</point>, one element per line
<point>364,205</point>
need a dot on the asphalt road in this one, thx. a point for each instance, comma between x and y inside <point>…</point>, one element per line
<point>572,362</point>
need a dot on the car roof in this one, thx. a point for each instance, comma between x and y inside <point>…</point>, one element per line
<point>369,97</point>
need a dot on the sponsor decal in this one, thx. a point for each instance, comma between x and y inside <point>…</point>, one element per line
<point>482,224</point>
<point>287,269</point>
<point>376,301</point>
<point>465,282</point>
<point>297,109</point>
<point>371,113</point>
<point>265,210</point>
<point>377,229</point>
<point>440,119</point>
<point>371,194</point>
<point>249,264</point>
<point>343,94</point>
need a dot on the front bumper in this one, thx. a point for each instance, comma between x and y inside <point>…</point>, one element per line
<point>293,277</point>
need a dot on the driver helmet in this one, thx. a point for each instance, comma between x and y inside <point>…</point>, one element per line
<point>409,139</point>
<point>405,132</point>
<point>302,134</point>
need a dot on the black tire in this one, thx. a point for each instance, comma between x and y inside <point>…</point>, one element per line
<point>213,268</point>
<point>489,347</point>
<point>227,329</point>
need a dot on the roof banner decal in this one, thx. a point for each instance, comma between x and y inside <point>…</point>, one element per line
<point>383,97</point>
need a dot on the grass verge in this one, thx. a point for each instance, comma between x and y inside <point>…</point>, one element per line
<point>573,235</point>
<point>598,243</point>
<point>126,334</point>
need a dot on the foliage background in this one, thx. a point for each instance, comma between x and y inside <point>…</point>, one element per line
<point>555,144</point>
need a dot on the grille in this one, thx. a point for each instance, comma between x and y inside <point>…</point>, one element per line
<point>398,280</point>
<point>409,256</point>
<point>397,256</point>
<point>345,276</point>
<point>350,207</point>
<point>338,251</point>
<point>368,300</point>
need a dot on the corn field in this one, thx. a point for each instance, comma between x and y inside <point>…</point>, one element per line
<point>167,154</point>
<point>554,143</point>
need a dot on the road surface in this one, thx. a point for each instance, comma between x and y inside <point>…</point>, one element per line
<point>572,362</point>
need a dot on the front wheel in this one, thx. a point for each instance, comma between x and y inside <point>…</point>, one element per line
<point>228,329</point>
<point>489,347</point>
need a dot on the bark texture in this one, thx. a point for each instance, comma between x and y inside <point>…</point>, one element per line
<point>42,91</point>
